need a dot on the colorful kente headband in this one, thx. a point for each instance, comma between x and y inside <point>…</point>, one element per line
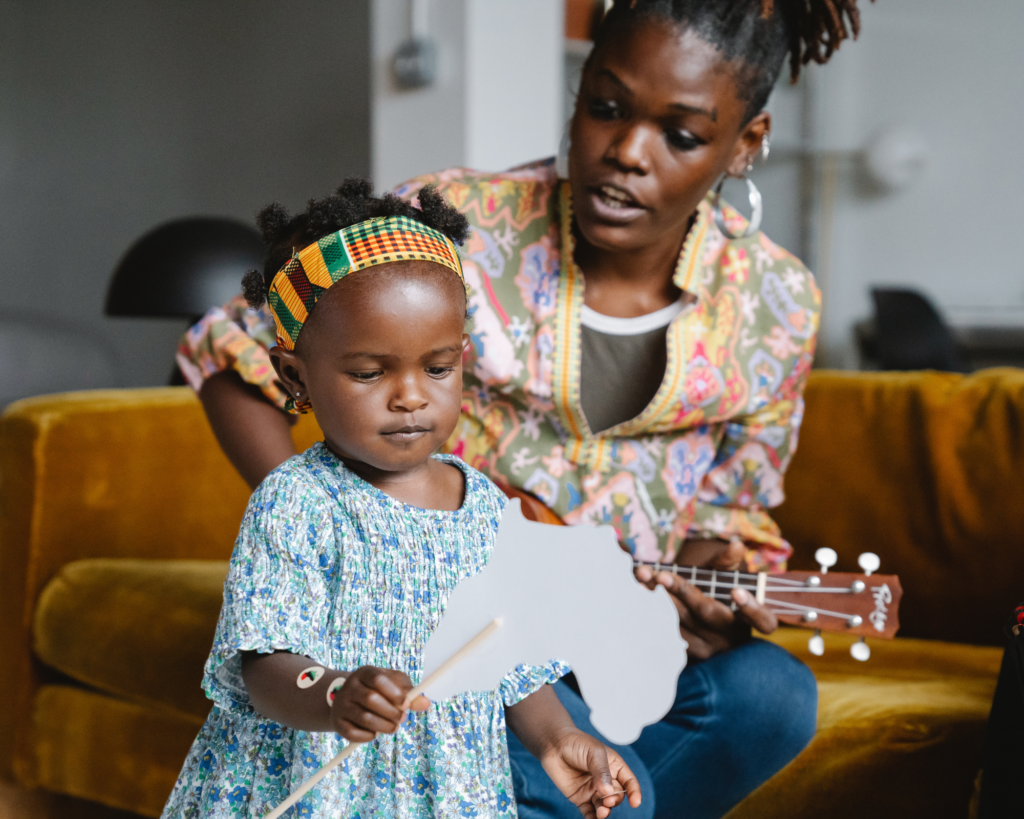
<point>309,273</point>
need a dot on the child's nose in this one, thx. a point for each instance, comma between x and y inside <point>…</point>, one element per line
<point>409,397</point>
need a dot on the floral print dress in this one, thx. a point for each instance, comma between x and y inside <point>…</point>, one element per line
<point>329,567</point>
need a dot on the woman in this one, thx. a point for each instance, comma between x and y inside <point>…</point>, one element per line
<point>639,356</point>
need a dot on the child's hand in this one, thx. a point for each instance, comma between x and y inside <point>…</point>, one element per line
<point>372,702</point>
<point>586,770</point>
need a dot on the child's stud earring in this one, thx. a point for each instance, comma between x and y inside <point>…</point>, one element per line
<point>310,676</point>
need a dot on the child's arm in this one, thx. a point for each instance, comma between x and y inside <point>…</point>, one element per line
<point>581,766</point>
<point>370,702</point>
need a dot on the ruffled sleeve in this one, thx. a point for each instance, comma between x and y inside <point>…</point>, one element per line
<point>277,595</point>
<point>523,680</point>
<point>232,337</point>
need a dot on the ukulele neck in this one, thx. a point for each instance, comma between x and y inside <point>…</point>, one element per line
<point>834,601</point>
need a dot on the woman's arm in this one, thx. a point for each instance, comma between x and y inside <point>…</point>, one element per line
<point>371,701</point>
<point>254,434</point>
<point>582,767</point>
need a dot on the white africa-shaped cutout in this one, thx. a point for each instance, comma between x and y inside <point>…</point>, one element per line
<point>566,593</point>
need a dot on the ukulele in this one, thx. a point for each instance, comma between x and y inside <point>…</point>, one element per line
<point>866,604</point>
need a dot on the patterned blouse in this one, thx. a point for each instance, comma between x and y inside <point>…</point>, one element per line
<point>329,567</point>
<point>706,457</point>
<point>232,337</point>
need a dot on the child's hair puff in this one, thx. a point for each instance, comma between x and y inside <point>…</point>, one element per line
<point>353,202</point>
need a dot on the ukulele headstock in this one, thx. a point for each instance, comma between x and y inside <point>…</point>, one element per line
<point>866,604</point>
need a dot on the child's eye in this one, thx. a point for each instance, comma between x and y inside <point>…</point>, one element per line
<point>438,372</point>
<point>367,376</point>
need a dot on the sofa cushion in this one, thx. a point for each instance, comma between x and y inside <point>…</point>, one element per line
<point>899,735</point>
<point>108,750</point>
<point>140,629</point>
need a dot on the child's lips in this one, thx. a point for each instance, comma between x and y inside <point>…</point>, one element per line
<point>405,434</point>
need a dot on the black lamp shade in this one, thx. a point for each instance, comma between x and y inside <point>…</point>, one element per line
<point>183,268</point>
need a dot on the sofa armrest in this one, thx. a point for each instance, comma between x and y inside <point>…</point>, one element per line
<point>112,473</point>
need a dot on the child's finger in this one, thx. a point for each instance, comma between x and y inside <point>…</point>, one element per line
<point>625,779</point>
<point>369,721</point>
<point>353,733</point>
<point>372,701</point>
<point>603,806</point>
<point>421,703</point>
<point>632,786</point>
<point>387,683</point>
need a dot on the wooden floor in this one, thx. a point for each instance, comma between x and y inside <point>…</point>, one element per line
<point>16,803</point>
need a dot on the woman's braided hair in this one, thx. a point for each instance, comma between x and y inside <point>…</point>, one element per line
<point>353,202</point>
<point>755,34</point>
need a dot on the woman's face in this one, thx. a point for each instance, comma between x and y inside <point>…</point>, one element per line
<point>657,121</point>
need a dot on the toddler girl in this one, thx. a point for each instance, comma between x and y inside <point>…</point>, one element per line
<point>348,552</point>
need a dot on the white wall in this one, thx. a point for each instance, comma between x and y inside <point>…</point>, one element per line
<point>499,96</point>
<point>117,115</point>
<point>950,70</point>
<point>415,132</point>
<point>515,81</point>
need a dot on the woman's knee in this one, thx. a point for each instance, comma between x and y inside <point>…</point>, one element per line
<point>779,687</point>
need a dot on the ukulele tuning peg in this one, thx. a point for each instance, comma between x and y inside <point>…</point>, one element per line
<point>816,645</point>
<point>869,562</point>
<point>860,650</point>
<point>826,558</point>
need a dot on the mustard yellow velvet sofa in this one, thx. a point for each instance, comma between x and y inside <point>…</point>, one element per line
<point>118,512</point>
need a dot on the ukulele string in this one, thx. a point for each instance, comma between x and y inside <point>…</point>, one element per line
<point>693,572</point>
<point>717,584</point>
<point>785,607</point>
<point>724,577</point>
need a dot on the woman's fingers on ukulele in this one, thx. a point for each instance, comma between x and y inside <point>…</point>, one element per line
<point>753,613</point>
<point>645,575</point>
<point>731,557</point>
<point>704,610</point>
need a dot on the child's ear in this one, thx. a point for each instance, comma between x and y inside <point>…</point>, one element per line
<point>290,370</point>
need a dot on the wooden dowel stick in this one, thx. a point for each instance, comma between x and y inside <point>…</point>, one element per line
<point>346,752</point>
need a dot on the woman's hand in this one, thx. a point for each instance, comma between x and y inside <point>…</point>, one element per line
<point>371,702</point>
<point>710,626</point>
<point>590,774</point>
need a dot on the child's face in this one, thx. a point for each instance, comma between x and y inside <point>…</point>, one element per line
<point>381,361</point>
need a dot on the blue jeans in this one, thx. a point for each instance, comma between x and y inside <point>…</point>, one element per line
<point>738,718</point>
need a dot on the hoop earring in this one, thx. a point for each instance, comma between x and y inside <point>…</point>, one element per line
<point>756,209</point>
<point>562,160</point>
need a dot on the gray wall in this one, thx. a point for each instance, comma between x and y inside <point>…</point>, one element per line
<point>949,70</point>
<point>116,115</point>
